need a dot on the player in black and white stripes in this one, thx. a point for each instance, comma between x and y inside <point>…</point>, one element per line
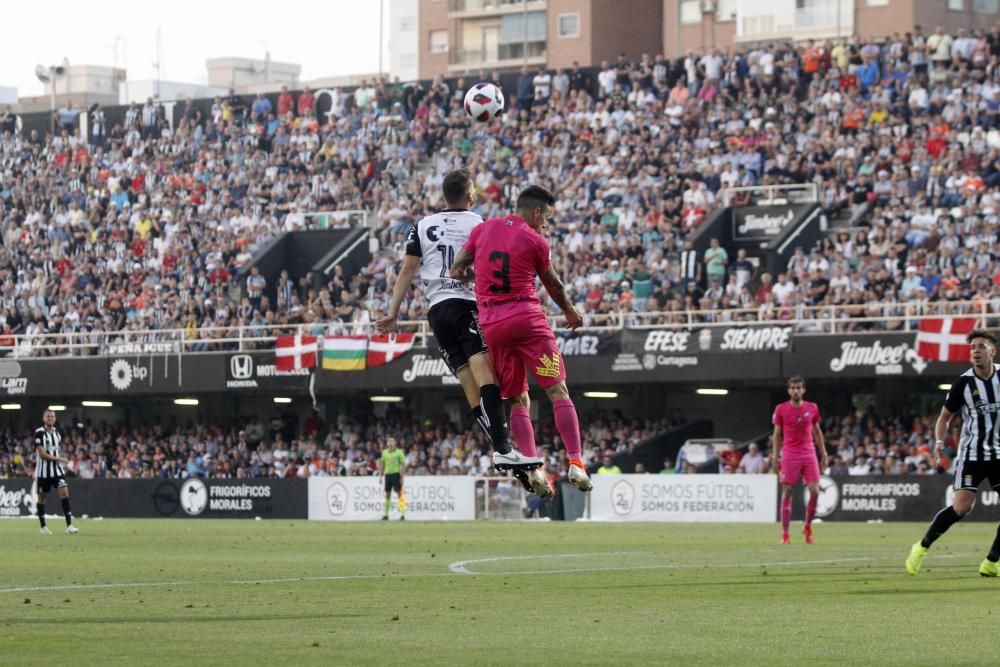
<point>49,471</point>
<point>431,247</point>
<point>976,396</point>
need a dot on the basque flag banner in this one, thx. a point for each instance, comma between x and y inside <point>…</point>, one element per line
<point>383,349</point>
<point>292,353</point>
<point>944,339</point>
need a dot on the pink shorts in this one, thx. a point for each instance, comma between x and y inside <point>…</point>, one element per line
<point>801,465</point>
<point>519,344</point>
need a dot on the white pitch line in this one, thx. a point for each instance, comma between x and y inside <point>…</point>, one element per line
<point>456,568</point>
<point>459,567</point>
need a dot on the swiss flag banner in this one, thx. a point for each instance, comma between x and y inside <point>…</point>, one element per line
<point>944,339</point>
<point>292,353</point>
<point>383,349</point>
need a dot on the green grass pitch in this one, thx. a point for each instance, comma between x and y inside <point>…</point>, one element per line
<point>141,592</point>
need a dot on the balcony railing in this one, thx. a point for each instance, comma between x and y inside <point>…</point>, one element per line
<point>821,320</point>
<point>502,55</point>
<point>492,5</point>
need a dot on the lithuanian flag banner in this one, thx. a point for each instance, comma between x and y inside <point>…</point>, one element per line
<point>345,353</point>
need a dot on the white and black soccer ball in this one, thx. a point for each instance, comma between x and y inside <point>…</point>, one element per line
<point>484,102</point>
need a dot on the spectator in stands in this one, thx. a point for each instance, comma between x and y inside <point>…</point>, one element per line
<point>68,117</point>
<point>753,462</point>
<point>716,259</point>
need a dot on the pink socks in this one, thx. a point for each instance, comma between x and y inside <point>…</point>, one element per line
<point>811,509</point>
<point>522,431</point>
<point>786,514</point>
<point>568,426</point>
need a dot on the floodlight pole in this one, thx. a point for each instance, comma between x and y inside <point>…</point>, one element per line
<point>52,103</point>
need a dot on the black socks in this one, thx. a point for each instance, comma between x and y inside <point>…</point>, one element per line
<point>492,410</point>
<point>942,522</point>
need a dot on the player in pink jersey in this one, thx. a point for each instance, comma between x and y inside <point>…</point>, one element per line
<point>797,432</point>
<point>504,255</point>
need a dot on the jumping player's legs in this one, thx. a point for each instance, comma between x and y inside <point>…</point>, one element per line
<point>470,387</point>
<point>567,422</point>
<point>520,425</point>
<point>541,355</point>
<point>502,338</point>
<point>456,328</point>
<point>490,401</point>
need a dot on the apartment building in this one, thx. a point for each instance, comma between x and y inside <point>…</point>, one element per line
<point>459,36</point>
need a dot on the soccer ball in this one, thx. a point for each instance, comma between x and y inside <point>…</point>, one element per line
<point>484,102</point>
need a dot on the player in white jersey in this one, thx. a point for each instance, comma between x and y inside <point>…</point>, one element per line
<point>49,471</point>
<point>431,247</point>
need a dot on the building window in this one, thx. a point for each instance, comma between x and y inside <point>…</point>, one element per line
<point>758,25</point>
<point>690,11</point>
<point>569,25</point>
<point>726,10</point>
<point>519,28</point>
<point>439,41</point>
<point>957,5</point>
<point>877,3</point>
<point>986,6</point>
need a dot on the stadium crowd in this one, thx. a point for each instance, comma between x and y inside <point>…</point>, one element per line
<point>858,443</point>
<point>281,448</point>
<point>144,226</point>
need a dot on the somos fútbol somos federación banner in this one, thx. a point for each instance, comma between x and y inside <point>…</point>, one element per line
<point>428,498</point>
<point>689,498</point>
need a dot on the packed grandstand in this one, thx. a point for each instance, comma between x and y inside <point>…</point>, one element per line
<point>151,226</point>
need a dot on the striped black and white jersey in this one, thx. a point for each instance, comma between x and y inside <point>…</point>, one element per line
<point>978,401</point>
<point>51,441</point>
<point>436,240</point>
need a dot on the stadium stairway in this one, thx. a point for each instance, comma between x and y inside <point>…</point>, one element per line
<point>651,452</point>
<point>302,253</point>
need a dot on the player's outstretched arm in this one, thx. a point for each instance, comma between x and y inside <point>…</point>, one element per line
<point>820,443</point>
<point>557,291</point>
<point>461,268</point>
<point>407,272</point>
<point>776,449</point>
<point>940,432</point>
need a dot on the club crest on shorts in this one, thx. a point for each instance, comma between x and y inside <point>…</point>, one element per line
<point>549,365</point>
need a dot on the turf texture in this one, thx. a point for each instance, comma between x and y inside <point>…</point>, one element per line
<point>177,592</point>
